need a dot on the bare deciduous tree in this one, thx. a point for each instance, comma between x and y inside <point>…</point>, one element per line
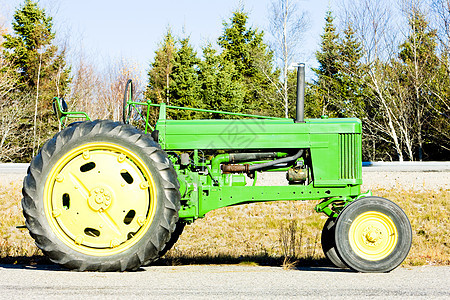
<point>441,9</point>
<point>13,141</point>
<point>85,88</point>
<point>420,66</point>
<point>101,94</point>
<point>373,25</point>
<point>287,26</point>
<point>402,69</point>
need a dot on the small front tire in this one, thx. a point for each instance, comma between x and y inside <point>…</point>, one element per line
<point>329,244</point>
<point>373,235</point>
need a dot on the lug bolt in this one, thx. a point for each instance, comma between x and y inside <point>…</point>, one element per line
<point>79,240</point>
<point>59,178</point>
<point>141,220</point>
<point>86,154</point>
<point>114,243</point>
<point>143,185</point>
<point>121,158</point>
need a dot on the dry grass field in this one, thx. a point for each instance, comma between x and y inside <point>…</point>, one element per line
<point>259,233</point>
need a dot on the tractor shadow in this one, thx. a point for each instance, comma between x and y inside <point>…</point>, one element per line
<point>42,263</point>
<point>35,262</point>
<point>316,264</point>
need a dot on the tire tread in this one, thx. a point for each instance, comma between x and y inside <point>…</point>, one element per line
<point>169,183</point>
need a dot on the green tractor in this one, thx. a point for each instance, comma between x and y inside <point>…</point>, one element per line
<point>106,196</point>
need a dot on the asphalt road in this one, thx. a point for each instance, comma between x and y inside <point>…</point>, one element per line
<point>407,166</point>
<point>11,168</point>
<point>223,282</point>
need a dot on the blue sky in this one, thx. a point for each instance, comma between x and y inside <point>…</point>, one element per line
<point>108,30</point>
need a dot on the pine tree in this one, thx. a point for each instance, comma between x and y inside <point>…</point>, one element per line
<point>219,90</point>
<point>351,76</point>
<point>327,84</point>
<point>235,43</point>
<point>41,74</point>
<point>158,88</point>
<point>253,62</point>
<point>184,84</point>
<point>438,122</point>
<point>31,51</point>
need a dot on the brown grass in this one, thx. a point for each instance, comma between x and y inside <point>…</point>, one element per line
<point>14,242</point>
<point>277,233</point>
<point>288,233</point>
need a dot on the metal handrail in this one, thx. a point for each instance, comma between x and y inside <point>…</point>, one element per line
<point>63,115</point>
<point>148,102</point>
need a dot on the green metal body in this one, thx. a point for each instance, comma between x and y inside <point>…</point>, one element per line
<point>331,158</point>
<point>334,161</point>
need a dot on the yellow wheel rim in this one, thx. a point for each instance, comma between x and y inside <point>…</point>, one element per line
<point>373,235</point>
<point>100,199</point>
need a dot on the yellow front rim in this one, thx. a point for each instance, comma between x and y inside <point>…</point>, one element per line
<point>373,235</point>
<point>100,199</point>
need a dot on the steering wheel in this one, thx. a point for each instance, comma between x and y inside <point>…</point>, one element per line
<point>127,98</point>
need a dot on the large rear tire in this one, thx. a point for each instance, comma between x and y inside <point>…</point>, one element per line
<point>373,234</point>
<point>101,196</point>
<point>174,237</point>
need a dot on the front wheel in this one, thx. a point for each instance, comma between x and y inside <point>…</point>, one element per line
<point>101,196</point>
<point>373,234</point>
<point>329,244</point>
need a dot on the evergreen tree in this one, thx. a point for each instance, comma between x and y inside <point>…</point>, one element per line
<point>340,78</point>
<point>219,90</point>
<point>160,71</point>
<point>184,84</point>
<point>253,62</point>
<point>41,74</point>
<point>327,84</point>
<point>30,50</point>
<point>351,76</point>
<point>235,42</point>
<point>438,122</point>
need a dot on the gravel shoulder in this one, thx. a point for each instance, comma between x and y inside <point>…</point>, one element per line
<point>417,181</point>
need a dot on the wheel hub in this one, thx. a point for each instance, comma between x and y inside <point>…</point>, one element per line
<point>372,236</point>
<point>100,198</point>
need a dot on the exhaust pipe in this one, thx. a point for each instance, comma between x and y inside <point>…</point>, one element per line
<point>300,101</point>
